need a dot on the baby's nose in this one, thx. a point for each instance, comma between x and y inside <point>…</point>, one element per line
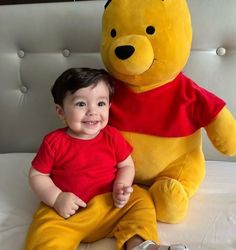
<point>92,110</point>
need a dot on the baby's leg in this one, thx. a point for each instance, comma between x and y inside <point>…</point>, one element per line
<point>137,219</point>
<point>98,220</point>
<point>49,231</point>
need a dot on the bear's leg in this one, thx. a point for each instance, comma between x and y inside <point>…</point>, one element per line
<point>170,199</point>
<point>176,184</point>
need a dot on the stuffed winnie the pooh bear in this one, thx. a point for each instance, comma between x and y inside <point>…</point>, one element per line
<point>160,111</point>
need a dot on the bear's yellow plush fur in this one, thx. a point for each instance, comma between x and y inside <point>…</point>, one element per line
<point>145,45</point>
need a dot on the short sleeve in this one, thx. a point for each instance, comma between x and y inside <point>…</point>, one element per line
<point>122,147</point>
<point>207,107</point>
<point>44,158</point>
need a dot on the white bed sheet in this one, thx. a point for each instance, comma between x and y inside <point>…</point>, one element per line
<point>210,224</point>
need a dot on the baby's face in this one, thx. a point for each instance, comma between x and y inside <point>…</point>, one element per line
<point>86,111</point>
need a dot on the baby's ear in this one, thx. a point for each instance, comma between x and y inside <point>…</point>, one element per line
<point>60,112</point>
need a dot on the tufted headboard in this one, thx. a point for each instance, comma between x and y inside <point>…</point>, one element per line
<point>39,41</point>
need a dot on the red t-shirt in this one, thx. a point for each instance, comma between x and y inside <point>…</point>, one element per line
<point>176,109</point>
<point>83,167</point>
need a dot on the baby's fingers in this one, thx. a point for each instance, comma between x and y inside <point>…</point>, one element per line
<point>127,190</point>
<point>79,202</point>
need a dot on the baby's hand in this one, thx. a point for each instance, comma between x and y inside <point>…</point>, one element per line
<point>67,204</point>
<point>121,194</point>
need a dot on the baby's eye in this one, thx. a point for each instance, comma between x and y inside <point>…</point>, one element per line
<point>101,103</point>
<point>80,104</point>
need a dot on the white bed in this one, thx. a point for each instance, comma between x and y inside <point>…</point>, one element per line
<point>210,224</point>
<point>39,41</point>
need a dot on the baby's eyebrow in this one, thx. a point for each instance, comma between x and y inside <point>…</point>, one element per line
<point>74,98</point>
<point>104,97</point>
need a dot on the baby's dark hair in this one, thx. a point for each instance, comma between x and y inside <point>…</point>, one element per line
<point>76,78</point>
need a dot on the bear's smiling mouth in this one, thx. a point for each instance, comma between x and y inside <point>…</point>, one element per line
<point>154,59</point>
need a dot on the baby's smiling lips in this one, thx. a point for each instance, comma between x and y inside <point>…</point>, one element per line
<point>90,122</point>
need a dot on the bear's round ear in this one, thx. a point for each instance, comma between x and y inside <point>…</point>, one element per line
<point>108,2</point>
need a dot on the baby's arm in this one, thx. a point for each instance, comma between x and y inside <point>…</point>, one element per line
<point>123,182</point>
<point>65,203</point>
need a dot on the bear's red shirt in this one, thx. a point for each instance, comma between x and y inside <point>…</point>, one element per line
<point>175,109</point>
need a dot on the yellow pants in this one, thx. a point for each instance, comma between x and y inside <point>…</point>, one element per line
<point>98,220</point>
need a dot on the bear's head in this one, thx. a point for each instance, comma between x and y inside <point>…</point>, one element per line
<point>146,43</point>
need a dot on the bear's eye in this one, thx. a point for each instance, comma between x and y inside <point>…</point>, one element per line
<point>113,33</point>
<point>150,30</point>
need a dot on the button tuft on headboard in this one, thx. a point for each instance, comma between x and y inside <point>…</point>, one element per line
<point>220,51</point>
<point>23,89</point>
<point>21,53</point>
<point>66,52</point>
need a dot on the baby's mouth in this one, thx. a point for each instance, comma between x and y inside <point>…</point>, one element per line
<point>90,122</point>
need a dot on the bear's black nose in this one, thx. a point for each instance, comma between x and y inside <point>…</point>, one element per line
<point>124,52</point>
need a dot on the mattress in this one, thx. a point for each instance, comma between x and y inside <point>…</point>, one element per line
<point>210,223</point>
